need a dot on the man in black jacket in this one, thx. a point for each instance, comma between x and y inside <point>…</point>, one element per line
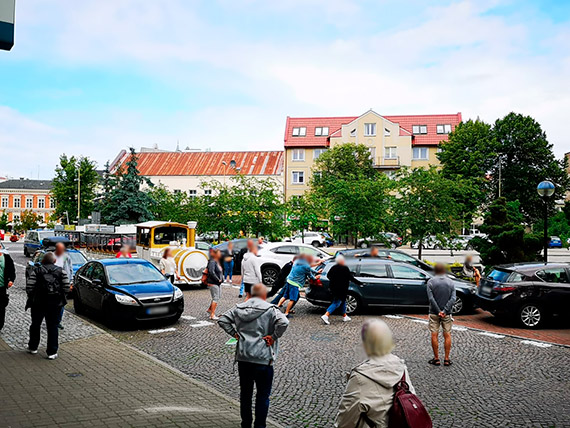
<point>7,278</point>
<point>340,277</point>
<point>46,288</point>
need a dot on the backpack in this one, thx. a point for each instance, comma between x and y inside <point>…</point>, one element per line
<point>50,281</point>
<point>407,410</point>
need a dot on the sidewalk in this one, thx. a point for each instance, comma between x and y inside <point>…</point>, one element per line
<point>99,381</point>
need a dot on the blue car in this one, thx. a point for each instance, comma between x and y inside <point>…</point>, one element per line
<point>125,290</point>
<point>555,242</point>
<point>77,260</point>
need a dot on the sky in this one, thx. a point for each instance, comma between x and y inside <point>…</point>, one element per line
<point>92,77</point>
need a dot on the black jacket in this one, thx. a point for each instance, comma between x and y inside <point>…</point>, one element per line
<point>35,286</point>
<point>281,278</point>
<point>339,280</point>
<point>215,275</point>
<point>9,270</point>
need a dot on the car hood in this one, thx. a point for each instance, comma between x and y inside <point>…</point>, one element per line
<point>160,287</point>
<point>461,283</point>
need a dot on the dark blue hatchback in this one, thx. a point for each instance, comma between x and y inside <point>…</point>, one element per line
<point>126,290</point>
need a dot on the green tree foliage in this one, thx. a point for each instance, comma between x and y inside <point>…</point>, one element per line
<point>303,213</point>
<point>426,204</point>
<point>506,241</point>
<point>127,202</point>
<point>29,220</point>
<point>173,206</point>
<point>559,224</point>
<point>107,183</point>
<point>65,186</point>
<point>4,220</point>
<point>354,196</point>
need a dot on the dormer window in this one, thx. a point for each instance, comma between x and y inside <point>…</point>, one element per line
<point>386,132</point>
<point>419,129</point>
<point>299,132</point>
<point>369,129</point>
<point>443,129</point>
<point>321,131</point>
<point>353,133</point>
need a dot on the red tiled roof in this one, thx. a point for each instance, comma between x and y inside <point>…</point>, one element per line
<point>208,163</point>
<point>335,123</point>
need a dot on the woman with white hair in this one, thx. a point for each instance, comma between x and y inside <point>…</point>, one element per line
<point>370,390</point>
<point>339,277</point>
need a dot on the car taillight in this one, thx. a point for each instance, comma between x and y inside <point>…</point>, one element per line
<point>504,288</point>
<point>316,282</point>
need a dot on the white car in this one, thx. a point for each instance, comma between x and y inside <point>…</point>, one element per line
<point>316,239</point>
<point>276,254</point>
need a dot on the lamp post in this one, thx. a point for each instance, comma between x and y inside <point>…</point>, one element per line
<point>545,190</point>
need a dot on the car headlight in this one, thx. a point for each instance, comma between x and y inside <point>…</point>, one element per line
<point>126,300</point>
<point>178,293</point>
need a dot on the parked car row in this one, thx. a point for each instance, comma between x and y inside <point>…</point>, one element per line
<point>384,239</point>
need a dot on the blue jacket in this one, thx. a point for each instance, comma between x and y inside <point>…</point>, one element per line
<point>300,271</point>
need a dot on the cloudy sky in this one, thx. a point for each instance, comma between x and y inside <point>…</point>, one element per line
<point>91,77</point>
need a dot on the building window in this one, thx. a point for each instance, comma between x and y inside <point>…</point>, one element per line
<point>208,192</point>
<point>419,129</point>
<point>318,152</point>
<point>386,132</point>
<point>353,133</point>
<point>4,201</point>
<point>321,131</point>
<point>299,132</point>
<point>298,177</point>
<point>420,153</point>
<point>177,190</point>
<point>52,203</point>
<point>298,154</point>
<point>369,129</point>
<point>443,129</point>
<point>16,217</point>
<point>390,152</point>
<point>30,202</point>
<point>192,193</point>
<point>41,203</point>
<point>17,202</point>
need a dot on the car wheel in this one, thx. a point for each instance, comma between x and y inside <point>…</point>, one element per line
<point>269,275</point>
<point>353,304</point>
<point>78,305</point>
<point>436,247</point>
<point>364,245</point>
<point>531,315</point>
<point>26,252</point>
<point>459,305</point>
<point>316,244</point>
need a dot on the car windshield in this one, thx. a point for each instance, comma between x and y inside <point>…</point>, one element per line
<point>133,273</point>
<point>46,234</point>
<point>499,275</point>
<point>76,257</point>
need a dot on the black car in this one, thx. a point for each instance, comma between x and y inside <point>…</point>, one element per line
<point>240,248</point>
<point>396,255</point>
<point>529,292</point>
<point>125,290</point>
<point>387,283</point>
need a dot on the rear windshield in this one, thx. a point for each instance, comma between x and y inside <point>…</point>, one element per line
<point>77,258</point>
<point>499,275</point>
<point>46,234</point>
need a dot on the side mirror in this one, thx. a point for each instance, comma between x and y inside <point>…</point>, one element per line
<point>97,282</point>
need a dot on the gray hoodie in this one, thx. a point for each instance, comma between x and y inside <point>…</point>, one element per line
<point>251,269</point>
<point>253,320</point>
<point>370,391</point>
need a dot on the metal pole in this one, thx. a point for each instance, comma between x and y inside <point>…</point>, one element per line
<point>545,231</point>
<point>78,192</point>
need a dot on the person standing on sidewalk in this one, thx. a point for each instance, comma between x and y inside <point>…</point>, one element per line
<point>7,278</point>
<point>251,271</point>
<point>168,266</point>
<point>441,296</point>
<point>340,277</point>
<point>46,288</point>
<point>257,325</point>
<point>215,279</point>
<point>228,256</point>
<point>63,260</point>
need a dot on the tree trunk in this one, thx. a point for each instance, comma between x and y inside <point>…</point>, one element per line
<point>420,246</point>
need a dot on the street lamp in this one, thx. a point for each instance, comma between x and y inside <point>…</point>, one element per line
<point>545,190</point>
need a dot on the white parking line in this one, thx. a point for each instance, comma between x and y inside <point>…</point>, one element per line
<point>533,343</point>
<point>496,336</point>
<point>202,324</point>
<point>188,317</point>
<point>420,321</point>
<point>458,328</point>
<point>396,317</point>
<point>162,330</point>
<point>19,265</point>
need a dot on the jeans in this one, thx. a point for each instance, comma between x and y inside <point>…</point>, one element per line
<point>51,314</point>
<point>228,270</point>
<point>262,376</point>
<point>279,296</point>
<point>61,315</point>
<point>242,289</point>
<point>337,303</point>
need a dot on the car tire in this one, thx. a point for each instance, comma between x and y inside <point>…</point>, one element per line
<point>531,315</point>
<point>316,244</point>
<point>364,245</point>
<point>78,305</point>
<point>353,303</point>
<point>459,307</point>
<point>437,247</point>
<point>269,274</point>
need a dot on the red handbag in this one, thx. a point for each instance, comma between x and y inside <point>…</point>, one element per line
<point>407,410</point>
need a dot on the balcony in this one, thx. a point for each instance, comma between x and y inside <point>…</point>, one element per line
<point>387,163</point>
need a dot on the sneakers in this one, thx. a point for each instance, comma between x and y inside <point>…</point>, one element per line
<point>346,319</point>
<point>214,318</point>
<point>60,326</point>
<point>52,357</point>
<point>240,296</point>
<point>32,351</point>
<point>325,319</point>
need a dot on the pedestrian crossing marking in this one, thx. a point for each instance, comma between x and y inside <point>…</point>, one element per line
<point>533,343</point>
<point>420,321</point>
<point>202,324</point>
<point>188,317</point>
<point>162,330</point>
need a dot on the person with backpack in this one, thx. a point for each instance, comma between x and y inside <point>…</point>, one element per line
<point>46,288</point>
<point>379,392</point>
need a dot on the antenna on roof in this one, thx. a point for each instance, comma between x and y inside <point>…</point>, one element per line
<point>177,145</point>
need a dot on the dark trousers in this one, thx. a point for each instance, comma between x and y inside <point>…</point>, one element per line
<point>51,314</point>
<point>262,376</point>
<point>3,304</point>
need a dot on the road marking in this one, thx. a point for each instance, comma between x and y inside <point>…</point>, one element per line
<point>188,317</point>
<point>420,321</point>
<point>236,286</point>
<point>496,336</point>
<point>173,409</point>
<point>202,324</point>
<point>19,265</point>
<point>458,328</point>
<point>396,317</point>
<point>533,343</point>
<point>162,330</point>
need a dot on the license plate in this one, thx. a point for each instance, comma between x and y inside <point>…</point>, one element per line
<point>157,311</point>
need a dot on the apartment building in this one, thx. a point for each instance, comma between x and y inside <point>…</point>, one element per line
<point>23,194</point>
<point>393,141</point>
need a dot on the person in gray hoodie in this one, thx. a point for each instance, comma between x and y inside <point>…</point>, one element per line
<point>257,325</point>
<point>251,270</point>
<point>369,393</point>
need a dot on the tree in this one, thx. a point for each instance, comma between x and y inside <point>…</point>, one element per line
<point>70,173</point>
<point>302,213</point>
<point>354,196</point>
<point>127,201</point>
<point>29,220</point>
<point>108,182</point>
<point>506,240</point>
<point>174,206</point>
<point>4,220</point>
<point>426,205</point>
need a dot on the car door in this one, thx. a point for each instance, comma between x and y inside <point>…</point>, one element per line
<point>377,288</point>
<point>91,291</point>
<point>555,290</point>
<point>285,253</point>
<point>409,285</point>
<point>98,285</point>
